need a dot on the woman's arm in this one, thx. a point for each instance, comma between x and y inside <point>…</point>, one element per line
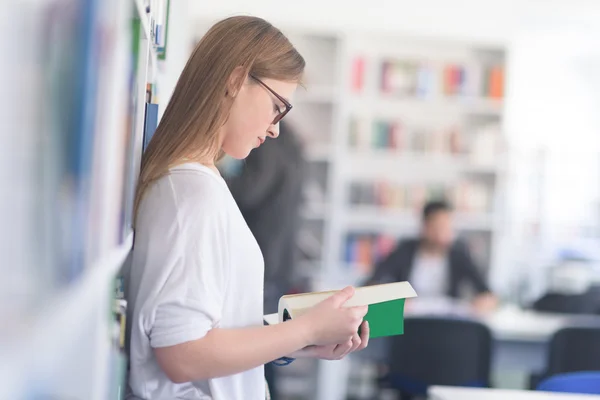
<point>223,352</point>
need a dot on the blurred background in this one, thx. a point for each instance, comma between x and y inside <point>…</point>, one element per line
<point>487,107</point>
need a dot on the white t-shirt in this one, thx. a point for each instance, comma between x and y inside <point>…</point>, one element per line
<point>429,275</point>
<point>196,266</point>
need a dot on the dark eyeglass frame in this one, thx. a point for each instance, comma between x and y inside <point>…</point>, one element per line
<point>286,103</point>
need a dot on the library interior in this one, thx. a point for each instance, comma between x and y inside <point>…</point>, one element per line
<point>439,157</point>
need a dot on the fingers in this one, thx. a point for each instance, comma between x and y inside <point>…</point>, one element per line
<point>342,349</point>
<point>342,296</point>
<point>365,332</point>
<point>360,311</point>
<point>356,342</point>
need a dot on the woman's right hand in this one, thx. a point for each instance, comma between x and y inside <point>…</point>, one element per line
<point>330,323</point>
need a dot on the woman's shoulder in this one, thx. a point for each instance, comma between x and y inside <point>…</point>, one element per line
<point>196,183</point>
<point>187,192</point>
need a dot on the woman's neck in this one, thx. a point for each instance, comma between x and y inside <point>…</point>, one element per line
<point>209,163</point>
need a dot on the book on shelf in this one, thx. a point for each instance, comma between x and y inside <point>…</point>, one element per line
<point>364,250</point>
<point>385,302</point>
<point>118,356</point>
<point>468,196</point>
<point>399,137</point>
<point>358,74</point>
<point>150,122</point>
<point>386,195</point>
<point>496,85</point>
<point>423,79</point>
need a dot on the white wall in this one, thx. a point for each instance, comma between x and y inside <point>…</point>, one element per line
<point>492,21</point>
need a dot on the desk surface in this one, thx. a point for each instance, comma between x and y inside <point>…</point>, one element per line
<point>454,393</point>
<point>507,323</point>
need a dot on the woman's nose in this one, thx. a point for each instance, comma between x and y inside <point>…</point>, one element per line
<point>274,130</point>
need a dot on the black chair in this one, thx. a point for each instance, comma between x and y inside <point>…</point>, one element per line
<point>585,303</point>
<point>573,349</point>
<point>439,351</point>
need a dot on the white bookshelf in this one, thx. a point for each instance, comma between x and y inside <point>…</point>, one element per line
<point>434,117</point>
<point>60,345</point>
<point>402,167</point>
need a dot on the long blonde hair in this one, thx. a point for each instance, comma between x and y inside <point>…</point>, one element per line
<point>199,106</point>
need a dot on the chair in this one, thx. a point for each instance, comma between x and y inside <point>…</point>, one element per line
<point>572,349</point>
<point>575,382</point>
<point>439,351</point>
<point>585,303</point>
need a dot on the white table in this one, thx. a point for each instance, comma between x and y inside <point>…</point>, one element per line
<point>454,393</point>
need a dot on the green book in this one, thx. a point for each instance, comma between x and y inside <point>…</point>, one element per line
<point>386,306</point>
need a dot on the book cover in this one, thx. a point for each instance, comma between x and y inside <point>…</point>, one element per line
<point>386,306</point>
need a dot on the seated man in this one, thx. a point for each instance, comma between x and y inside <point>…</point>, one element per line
<point>435,264</point>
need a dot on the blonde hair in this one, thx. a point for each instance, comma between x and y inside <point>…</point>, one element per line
<point>199,106</point>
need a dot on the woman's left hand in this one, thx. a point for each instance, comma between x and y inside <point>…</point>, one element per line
<point>337,351</point>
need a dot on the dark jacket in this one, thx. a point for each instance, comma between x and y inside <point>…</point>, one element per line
<point>268,192</point>
<point>398,265</point>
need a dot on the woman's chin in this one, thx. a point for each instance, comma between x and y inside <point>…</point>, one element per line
<point>238,154</point>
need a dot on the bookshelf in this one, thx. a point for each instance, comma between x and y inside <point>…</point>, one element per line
<point>424,121</point>
<point>96,63</point>
<point>416,119</point>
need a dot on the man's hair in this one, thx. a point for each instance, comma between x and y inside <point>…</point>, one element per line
<point>434,206</point>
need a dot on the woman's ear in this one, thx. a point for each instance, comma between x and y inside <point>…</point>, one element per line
<point>235,82</point>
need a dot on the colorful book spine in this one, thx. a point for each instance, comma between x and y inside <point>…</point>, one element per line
<point>496,83</point>
<point>364,250</point>
<point>358,74</point>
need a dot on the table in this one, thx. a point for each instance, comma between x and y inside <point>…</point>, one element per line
<point>454,393</point>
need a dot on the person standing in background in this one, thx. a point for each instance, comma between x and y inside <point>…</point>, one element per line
<point>435,263</point>
<point>267,187</point>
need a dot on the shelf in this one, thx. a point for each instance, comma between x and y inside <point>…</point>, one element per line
<point>468,106</point>
<point>367,217</point>
<point>370,163</point>
<point>43,339</point>
<point>391,155</point>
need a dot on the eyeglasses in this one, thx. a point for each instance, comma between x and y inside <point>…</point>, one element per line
<point>286,103</point>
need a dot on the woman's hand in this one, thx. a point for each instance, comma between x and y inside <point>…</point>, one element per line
<point>329,323</point>
<point>337,351</point>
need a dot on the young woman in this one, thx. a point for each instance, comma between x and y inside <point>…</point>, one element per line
<point>196,283</point>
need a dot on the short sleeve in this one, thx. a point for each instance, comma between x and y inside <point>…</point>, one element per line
<point>193,255</point>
